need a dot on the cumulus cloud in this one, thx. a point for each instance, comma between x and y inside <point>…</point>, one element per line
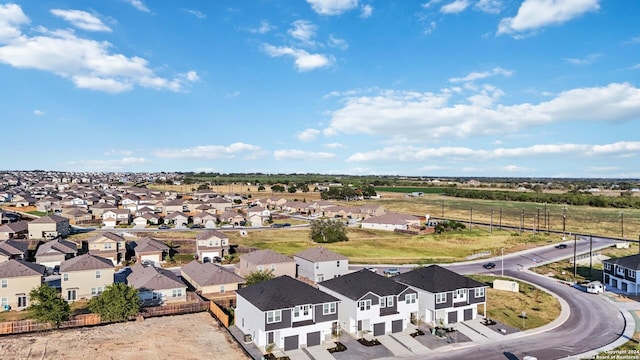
<point>536,14</point>
<point>118,152</point>
<point>38,112</point>
<point>264,28</point>
<point>337,42</point>
<point>454,7</point>
<point>334,145</point>
<point>138,4</point>
<point>332,7</point>
<point>473,76</point>
<point>304,31</point>
<point>582,61</point>
<point>81,19</point>
<point>107,165</point>
<point>489,6</point>
<point>196,13</point>
<point>209,152</point>
<point>366,11</point>
<point>426,115</point>
<point>430,3</point>
<point>89,64</point>
<point>304,61</point>
<point>302,155</point>
<point>308,134</point>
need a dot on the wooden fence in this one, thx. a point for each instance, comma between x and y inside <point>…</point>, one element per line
<point>177,309</point>
<point>219,314</point>
<point>30,325</point>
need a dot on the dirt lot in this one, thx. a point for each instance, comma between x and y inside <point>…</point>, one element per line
<point>194,336</point>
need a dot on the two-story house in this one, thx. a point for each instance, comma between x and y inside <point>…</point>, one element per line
<point>444,296</point>
<point>54,252</point>
<point>287,313</point>
<point>49,227</point>
<point>85,276</point>
<point>107,245</point>
<point>212,281</point>
<point>13,249</point>
<point>156,286</point>
<point>266,260</point>
<point>116,217</point>
<point>372,303</point>
<point>148,249</point>
<point>211,243</point>
<point>319,264</point>
<point>14,230</point>
<point>17,279</point>
<point>622,273</point>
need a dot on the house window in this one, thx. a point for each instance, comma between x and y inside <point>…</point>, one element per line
<point>154,296</point>
<point>329,308</point>
<point>71,295</point>
<point>320,278</point>
<point>386,301</point>
<point>107,246</point>
<point>176,293</point>
<point>607,266</point>
<point>441,298</point>
<point>338,263</point>
<point>459,294</point>
<point>364,305</point>
<point>317,266</point>
<point>632,274</point>
<point>619,270</point>
<point>4,283</point>
<point>97,291</point>
<point>221,289</point>
<point>65,277</point>
<point>273,267</point>
<point>478,292</point>
<point>98,274</point>
<point>260,268</point>
<point>4,302</point>
<point>274,316</point>
<point>22,301</point>
<point>210,243</point>
<point>410,298</point>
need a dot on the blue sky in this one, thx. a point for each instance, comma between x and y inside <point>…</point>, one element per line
<point>516,88</point>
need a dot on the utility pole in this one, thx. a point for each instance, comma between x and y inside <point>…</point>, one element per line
<point>564,219</point>
<point>470,217</point>
<point>547,220</point>
<point>590,256</point>
<point>538,217</point>
<point>500,226</point>
<point>491,223</point>
<point>521,221</point>
<point>575,263</point>
<point>442,208</point>
<point>622,224</point>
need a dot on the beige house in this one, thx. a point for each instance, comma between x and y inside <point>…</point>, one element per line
<point>212,281</point>
<point>220,204</point>
<point>17,279</point>
<point>211,243</point>
<point>54,252</point>
<point>14,230</point>
<point>266,260</point>
<point>107,245</point>
<point>49,227</point>
<point>156,286</point>
<point>13,249</point>
<point>149,250</point>
<point>85,276</point>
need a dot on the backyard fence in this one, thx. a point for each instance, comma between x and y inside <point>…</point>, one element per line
<point>222,316</point>
<point>30,325</point>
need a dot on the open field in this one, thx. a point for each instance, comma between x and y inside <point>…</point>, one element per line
<point>193,336</point>
<point>506,307</point>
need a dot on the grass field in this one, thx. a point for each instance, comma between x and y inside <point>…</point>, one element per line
<point>506,307</point>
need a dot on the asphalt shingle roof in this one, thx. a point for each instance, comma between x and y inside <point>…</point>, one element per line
<point>357,284</point>
<point>436,279</point>
<point>264,257</point>
<point>320,254</point>
<point>151,278</point>
<point>86,262</point>
<point>61,246</point>
<point>629,262</point>
<point>283,292</point>
<point>18,268</point>
<point>206,274</point>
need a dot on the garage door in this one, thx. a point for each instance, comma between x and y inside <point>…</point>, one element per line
<point>313,338</point>
<point>396,326</point>
<point>378,329</point>
<point>291,342</point>
<point>468,314</point>
<point>452,317</point>
<point>152,258</point>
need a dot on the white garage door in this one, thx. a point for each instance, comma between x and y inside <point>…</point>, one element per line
<point>152,258</point>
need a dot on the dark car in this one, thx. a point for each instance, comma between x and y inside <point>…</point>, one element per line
<point>489,265</point>
<point>196,226</point>
<point>286,225</point>
<point>164,227</point>
<point>561,246</point>
<point>277,225</point>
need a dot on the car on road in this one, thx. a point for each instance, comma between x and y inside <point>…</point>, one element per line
<point>286,225</point>
<point>392,271</point>
<point>196,226</point>
<point>489,265</point>
<point>372,269</point>
<point>164,227</point>
<point>561,246</point>
<point>277,226</point>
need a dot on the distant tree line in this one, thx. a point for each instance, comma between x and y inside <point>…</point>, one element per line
<point>625,200</point>
<point>347,193</point>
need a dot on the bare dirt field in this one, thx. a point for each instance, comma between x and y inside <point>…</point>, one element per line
<point>193,336</point>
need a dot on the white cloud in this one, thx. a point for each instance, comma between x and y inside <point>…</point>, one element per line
<point>334,145</point>
<point>87,63</point>
<point>337,42</point>
<point>454,7</point>
<point>516,169</point>
<point>536,14</point>
<point>138,4</point>
<point>210,152</point>
<point>634,40</point>
<point>332,7</point>
<point>308,134</point>
<point>304,61</point>
<point>489,6</point>
<point>196,13</point>
<point>264,28</point>
<point>432,115</point>
<point>304,31</point>
<point>233,94</point>
<point>38,112</point>
<point>302,155</point>
<point>408,153</point>
<point>430,28</point>
<point>473,76</point>
<point>430,3</point>
<point>81,19</point>
<point>107,165</point>
<point>583,61</point>
<point>366,11</point>
<point>118,152</point>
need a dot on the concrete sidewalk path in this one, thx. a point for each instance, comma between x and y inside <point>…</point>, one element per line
<point>320,352</point>
<point>412,344</point>
<point>394,346</point>
<point>477,326</point>
<point>297,354</point>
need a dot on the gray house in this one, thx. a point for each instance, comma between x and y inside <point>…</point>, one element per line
<point>13,249</point>
<point>56,251</point>
<point>156,286</point>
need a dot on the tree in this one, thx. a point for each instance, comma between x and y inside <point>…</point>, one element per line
<point>277,188</point>
<point>47,306</point>
<point>292,189</point>
<point>258,276</point>
<point>328,231</point>
<point>261,188</point>
<point>117,303</point>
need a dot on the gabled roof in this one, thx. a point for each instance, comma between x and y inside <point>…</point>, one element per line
<point>58,245</point>
<point>205,274</point>
<point>436,279</point>
<point>176,214</point>
<point>391,218</point>
<point>15,227</point>
<point>320,254</point>
<point>147,244</point>
<point>17,268</point>
<point>208,234</point>
<point>152,278</point>
<point>357,284</point>
<point>283,292</point>
<point>13,247</point>
<point>265,257</point>
<point>86,262</point>
<point>108,235</point>
<point>49,219</point>
<point>629,262</point>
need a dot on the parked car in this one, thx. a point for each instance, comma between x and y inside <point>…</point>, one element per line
<point>286,225</point>
<point>392,271</point>
<point>217,259</point>
<point>164,227</point>
<point>561,246</point>
<point>196,226</point>
<point>276,226</point>
<point>372,269</point>
<point>489,265</point>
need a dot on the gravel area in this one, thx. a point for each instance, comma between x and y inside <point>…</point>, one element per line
<point>185,337</point>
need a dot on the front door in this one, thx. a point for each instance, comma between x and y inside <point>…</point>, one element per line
<point>71,295</point>
<point>270,337</point>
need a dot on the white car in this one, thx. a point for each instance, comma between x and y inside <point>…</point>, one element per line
<point>372,269</point>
